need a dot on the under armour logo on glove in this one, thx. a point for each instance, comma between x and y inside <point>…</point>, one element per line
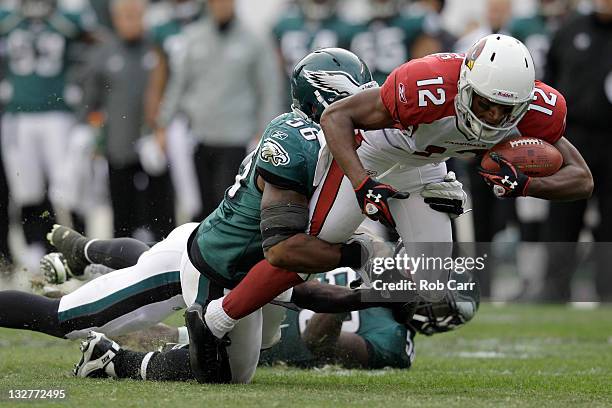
<point>372,197</point>
<point>507,181</point>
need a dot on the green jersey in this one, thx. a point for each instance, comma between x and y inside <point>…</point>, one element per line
<point>36,57</point>
<point>167,36</point>
<point>164,33</point>
<point>229,239</point>
<point>532,31</point>
<point>297,36</point>
<point>390,344</point>
<point>386,44</point>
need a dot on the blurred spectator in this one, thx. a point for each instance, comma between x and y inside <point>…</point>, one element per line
<point>116,79</point>
<point>228,86</point>
<point>439,39</point>
<point>535,31</point>
<point>170,48</point>
<point>497,15</point>
<point>532,213</point>
<point>5,254</point>
<point>386,40</point>
<point>580,66</point>
<point>491,215</point>
<point>37,36</point>
<point>307,26</point>
<point>101,9</point>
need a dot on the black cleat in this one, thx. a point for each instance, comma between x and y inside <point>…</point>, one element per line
<point>72,245</point>
<point>207,353</point>
<point>98,355</point>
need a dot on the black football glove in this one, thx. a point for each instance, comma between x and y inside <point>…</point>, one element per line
<point>508,181</point>
<point>372,197</point>
<point>403,312</point>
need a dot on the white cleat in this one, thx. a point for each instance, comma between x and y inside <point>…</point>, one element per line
<point>54,268</point>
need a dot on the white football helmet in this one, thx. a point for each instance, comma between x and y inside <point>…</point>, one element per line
<point>499,68</point>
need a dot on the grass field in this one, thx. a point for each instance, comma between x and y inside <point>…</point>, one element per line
<point>508,356</point>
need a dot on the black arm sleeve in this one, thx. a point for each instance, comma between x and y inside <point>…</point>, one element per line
<point>324,298</point>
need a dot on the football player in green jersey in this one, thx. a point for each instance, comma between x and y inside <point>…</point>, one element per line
<point>308,26</point>
<point>170,47</point>
<point>36,36</point>
<point>368,338</point>
<point>385,41</point>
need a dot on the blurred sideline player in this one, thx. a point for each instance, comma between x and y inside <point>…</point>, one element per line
<point>37,36</point>
<point>308,26</point>
<point>447,105</point>
<point>387,39</point>
<point>170,48</point>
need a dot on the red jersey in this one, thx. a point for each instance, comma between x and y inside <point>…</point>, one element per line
<point>420,96</point>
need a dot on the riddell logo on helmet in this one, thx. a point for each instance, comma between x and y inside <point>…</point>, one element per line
<point>505,94</point>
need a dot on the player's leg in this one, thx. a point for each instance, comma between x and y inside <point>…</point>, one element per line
<point>603,232</point>
<point>26,179</point>
<point>273,316</point>
<point>54,132</point>
<point>81,251</point>
<point>182,169</point>
<point>245,338</point>
<point>565,221</point>
<point>424,231</point>
<point>5,255</point>
<point>132,298</point>
<point>103,357</point>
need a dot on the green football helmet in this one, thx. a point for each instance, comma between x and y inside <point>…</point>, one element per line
<point>325,76</point>
<point>457,308</point>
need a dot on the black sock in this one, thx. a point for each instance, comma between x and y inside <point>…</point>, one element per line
<point>116,253</point>
<point>21,310</point>
<point>127,364</point>
<point>172,365</point>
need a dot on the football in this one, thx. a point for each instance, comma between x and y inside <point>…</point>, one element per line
<point>534,157</point>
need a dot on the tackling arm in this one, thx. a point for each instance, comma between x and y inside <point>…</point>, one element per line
<point>324,338</point>
<point>323,298</point>
<point>364,110</point>
<point>295,251</point>
<point>572,182</point>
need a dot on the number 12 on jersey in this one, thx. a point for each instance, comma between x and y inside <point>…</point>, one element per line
<point>426,95</point>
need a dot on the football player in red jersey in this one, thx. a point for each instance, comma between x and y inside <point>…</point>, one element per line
<point>447,100</point>
<point>429,109</point>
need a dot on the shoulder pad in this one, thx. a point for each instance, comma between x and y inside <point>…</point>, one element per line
<point>422,90</point>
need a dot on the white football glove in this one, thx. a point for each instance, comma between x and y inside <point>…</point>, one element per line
<point>446,196</point>
<point>372,246</point>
